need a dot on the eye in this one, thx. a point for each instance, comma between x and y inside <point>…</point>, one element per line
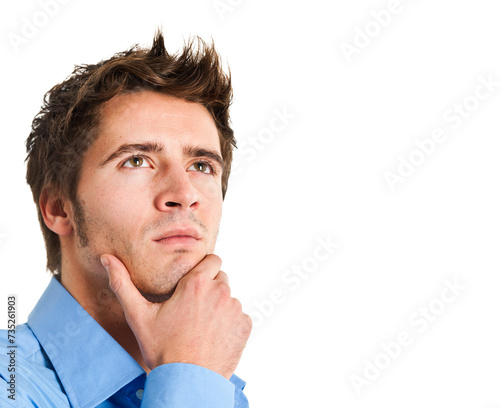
<point>202,167</point>
<point>136,162</point>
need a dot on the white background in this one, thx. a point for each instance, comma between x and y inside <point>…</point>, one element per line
<point>321,176</point>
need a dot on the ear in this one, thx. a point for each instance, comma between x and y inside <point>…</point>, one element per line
<point>55,212</point>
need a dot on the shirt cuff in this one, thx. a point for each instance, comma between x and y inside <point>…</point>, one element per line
<point>183,385</point>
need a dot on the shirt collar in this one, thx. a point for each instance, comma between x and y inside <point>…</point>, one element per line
<point>91,365</point>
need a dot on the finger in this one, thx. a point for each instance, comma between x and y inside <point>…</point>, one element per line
<point>119,281</point>
<point>222,276</point>
<point>208,266</point>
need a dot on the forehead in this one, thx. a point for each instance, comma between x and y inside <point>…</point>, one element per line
<point>151,116</point>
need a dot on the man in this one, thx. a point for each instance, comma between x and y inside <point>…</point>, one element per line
<point>128,162</point>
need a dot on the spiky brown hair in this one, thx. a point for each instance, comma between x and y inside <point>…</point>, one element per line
<point>68,122</point>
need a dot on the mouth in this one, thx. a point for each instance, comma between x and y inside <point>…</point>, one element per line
<point>179,237</point>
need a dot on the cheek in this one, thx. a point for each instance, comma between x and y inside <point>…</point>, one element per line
<point>116,204</point>
<point>209,188</point>
<point>212,194</point>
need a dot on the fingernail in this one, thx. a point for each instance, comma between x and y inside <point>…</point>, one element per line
<point>105,263</point>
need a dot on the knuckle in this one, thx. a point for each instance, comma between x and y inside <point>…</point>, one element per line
<point>248,321</point>
<point>223,291</point>
<point>196,282</point>
<point>245,326</point>
<point>237,305</point>
<point>223,276</point>
<point>215,259</point>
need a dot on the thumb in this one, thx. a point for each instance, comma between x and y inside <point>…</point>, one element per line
<point>120,283</point>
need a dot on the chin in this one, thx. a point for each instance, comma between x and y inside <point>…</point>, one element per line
<point>160,286</point>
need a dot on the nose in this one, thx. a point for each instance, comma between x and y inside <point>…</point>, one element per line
<point>176,190</point>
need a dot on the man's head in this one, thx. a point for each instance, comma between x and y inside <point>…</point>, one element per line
<point>126,152</point>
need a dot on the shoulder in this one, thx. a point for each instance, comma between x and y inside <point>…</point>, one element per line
<point>25,368</point>
<point>21,339</point>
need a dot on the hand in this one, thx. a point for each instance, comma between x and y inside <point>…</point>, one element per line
<point>200,324</point>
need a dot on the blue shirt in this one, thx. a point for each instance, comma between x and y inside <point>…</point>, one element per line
<point>64,358</point>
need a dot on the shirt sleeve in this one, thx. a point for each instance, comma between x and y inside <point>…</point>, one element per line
<point>180,385</point>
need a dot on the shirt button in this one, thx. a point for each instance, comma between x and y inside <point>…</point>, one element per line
<point>139,393</point>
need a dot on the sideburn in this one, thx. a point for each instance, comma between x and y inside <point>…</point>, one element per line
<point>80,224</point>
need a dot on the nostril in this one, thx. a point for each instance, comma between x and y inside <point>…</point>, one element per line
<point>171,204</point>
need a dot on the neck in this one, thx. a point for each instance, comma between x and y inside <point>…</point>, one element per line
<point>100,302</point>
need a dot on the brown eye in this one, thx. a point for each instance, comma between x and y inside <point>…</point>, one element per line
<point>135,161</point>
<point>201,167</point>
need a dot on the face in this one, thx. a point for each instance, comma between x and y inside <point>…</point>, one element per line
<point>149,192</point>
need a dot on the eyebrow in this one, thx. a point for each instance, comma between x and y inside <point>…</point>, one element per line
<point>201,152</point>
<point>154,147</point>
<point>148,147</point>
